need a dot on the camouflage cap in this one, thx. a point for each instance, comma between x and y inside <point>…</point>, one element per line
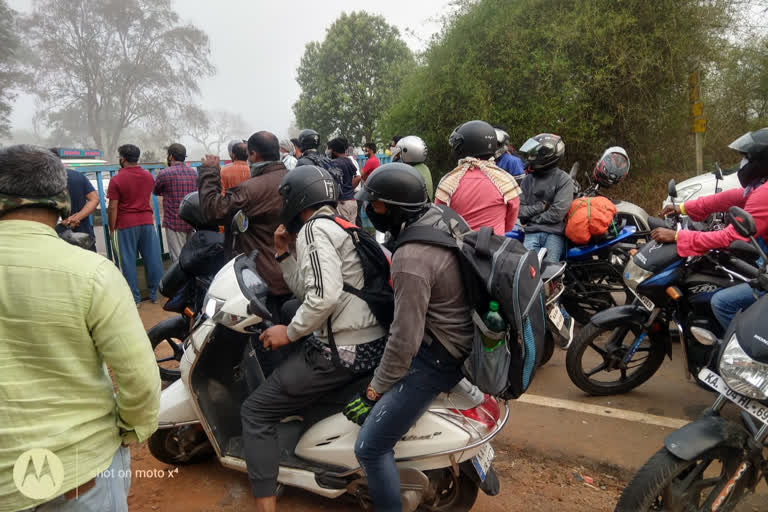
<point>60,202</point>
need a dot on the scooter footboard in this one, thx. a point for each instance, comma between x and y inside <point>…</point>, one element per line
<point>176,406</point>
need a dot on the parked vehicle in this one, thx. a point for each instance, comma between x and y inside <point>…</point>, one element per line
<point>559,331</point>
<point>443,460</point>
<point>718,180</point>
<point>622,347</point>
<point>712,463</point>
<point>185,284</point>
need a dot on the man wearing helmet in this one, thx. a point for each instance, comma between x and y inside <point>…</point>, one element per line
<point>430,336</point>
<point>504,159</point>
<point>309,141</point>
<point>412,150</point>
<point>477,189</point>
<point>323,262</point>
<point>752,197</point>
<point>547,195</point>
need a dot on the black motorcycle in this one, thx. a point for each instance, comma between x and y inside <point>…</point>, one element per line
<point>622,347</point>
<point>185,284</point>
<point>712,463</point>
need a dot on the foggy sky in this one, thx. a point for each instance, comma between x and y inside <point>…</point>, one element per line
<point>256,46</point>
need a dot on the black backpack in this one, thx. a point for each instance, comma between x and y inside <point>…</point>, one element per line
<point>377,283</point>
<point>500,269</point>
<point>326,163</point>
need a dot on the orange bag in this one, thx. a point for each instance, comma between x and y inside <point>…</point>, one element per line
<point>587,217</point>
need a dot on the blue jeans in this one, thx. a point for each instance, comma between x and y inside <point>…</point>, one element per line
<point>140,240</point>
<point>394,414</point>
<point>729,301</point>
<point>110,494</point>
<point>554,243</point>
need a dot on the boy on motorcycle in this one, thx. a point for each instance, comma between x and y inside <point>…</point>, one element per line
<point>753,197</point>
<point>317,258</point>
<point>430,336</point>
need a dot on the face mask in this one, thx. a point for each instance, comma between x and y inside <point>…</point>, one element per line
<point>380,221</point>
<point>751,172</point>
<point>294,226</point>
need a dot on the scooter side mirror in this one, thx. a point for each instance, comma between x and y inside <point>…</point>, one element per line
<point>742,222</point>
<point>718,172</point>
<point>575,170</point>
<point>672,189</point>
<point>240,222</point>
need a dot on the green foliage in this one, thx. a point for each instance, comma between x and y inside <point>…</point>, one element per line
<point>597,72</point>
<point>106,65</point>
<point>10,75</point>
<point>349,78</point>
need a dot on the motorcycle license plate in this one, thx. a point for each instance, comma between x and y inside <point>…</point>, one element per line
<point>556,316</point>
<point>647,303</point>
<point>482,461</point>
<point>716,382</point>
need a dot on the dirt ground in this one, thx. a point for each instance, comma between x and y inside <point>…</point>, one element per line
<point>529,483</point>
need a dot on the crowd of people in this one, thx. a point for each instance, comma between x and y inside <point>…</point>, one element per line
<point>64,312</point>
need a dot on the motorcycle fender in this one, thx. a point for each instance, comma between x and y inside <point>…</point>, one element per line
<point>176,406</point>
<point>704,434</point>
<point>620,315</point>
<point>490,486</point>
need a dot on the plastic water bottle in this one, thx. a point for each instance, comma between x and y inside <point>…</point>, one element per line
<point>495,323</point>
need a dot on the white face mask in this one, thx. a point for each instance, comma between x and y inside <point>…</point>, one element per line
<point>744,162</point>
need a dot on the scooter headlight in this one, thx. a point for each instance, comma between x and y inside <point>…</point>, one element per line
<point>634,274</point>
<point>742,373</point>
<point>212,306</point>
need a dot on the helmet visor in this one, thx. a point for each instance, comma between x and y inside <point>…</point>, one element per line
<point>743,144</point>
<point>530,149</point>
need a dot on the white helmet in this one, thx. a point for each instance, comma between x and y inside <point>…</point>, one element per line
<point>412,150</point>
<point>502,138</point>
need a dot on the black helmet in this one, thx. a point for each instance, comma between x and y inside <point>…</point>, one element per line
<point>474,138</point>
<point>191,213</point>
<point>612,167</point>
<point>399,186</point>
<point>306,186</point>
<point>754,145</point>
<point>308,139</point>
<point>543,151</point>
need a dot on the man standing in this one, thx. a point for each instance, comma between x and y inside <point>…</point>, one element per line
<point>372,162</point>
<point>84,201</point>
<point>238,171</point>
<point>287,153</point>
<point>478,190</point>
<point>131,223</point>
<point>347,207</point>
<point>259,200</point>
<point>173,183</point>
<point>64,313</point>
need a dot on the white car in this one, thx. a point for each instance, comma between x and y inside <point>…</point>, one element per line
<point>704,185</point>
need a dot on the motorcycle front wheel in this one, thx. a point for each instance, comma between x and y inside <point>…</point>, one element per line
<point>671,484</point>
<point>596,360</point>
<point>167,338</point>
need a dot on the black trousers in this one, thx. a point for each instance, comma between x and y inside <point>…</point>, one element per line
<point>297,383</point>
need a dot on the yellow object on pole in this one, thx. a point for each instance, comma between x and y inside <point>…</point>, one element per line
<point>699,124</point>
<point>697,109</point>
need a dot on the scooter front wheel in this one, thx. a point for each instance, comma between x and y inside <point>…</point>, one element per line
<point>610,361</point>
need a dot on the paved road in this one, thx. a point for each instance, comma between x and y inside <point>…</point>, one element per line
<point>551,419</point>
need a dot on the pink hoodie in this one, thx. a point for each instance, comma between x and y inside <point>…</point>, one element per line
<point>755,202</point>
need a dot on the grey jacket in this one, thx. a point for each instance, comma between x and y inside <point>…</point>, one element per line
<point>325,259</point>
<point>545,200</point>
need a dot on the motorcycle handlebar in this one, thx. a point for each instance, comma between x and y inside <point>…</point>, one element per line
<point>743,268</point>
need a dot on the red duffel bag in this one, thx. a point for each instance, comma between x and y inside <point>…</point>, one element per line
<point>588,217</point>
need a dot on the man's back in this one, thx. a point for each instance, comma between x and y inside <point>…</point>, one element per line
<point>234,174</point>
<point>132,188</point>
<point>348,172</point>
<point>173,184</point>
<point>510,163</point>
<point>427,175</point>
<point>479,201</point>
<point>79,187</point>
<point>61,318</point>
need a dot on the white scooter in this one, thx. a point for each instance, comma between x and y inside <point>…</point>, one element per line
<point>444,459</point>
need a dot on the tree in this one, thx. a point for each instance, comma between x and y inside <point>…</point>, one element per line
<point>213,130</point>
<point>597,72</point>
<point>347,80</point>
<point>106,65</point>
<point>10,74</point>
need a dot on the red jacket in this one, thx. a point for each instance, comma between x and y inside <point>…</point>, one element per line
<point>755,202</point>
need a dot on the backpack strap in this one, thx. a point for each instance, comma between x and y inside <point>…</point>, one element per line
<point>483,243</point>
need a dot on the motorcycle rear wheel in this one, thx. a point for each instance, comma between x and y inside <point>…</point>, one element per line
<point>592,287</point>
<point>612,353</point>
<point>453,494</point>
<point>671,484</point>
<point>166,446</point>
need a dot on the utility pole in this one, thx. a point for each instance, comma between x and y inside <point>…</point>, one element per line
<point>699,122</point>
